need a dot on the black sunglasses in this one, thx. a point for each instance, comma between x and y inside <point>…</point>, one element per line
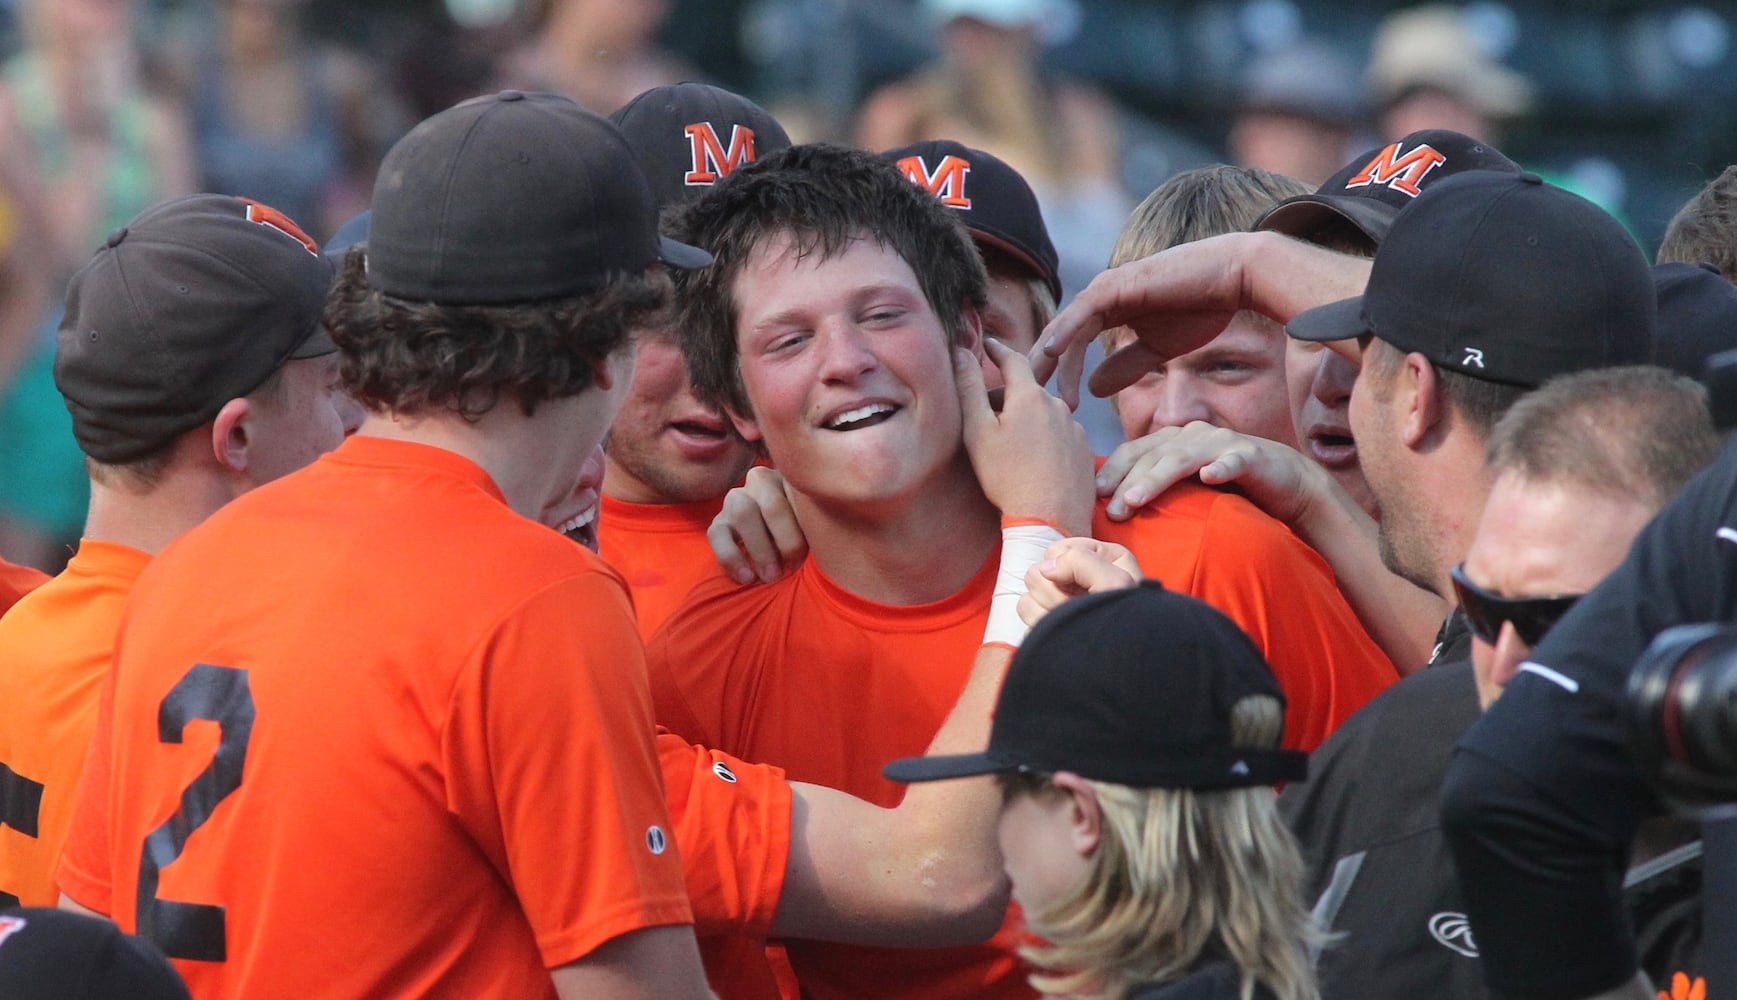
<point>1530,616</point>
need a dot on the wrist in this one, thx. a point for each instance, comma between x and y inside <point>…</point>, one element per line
<point>1023,546</point>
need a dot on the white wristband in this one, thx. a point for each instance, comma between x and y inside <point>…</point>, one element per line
<point>1022,547</point>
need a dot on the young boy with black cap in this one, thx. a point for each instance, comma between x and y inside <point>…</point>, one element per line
<point>1133,739</point>
<point>375,726</point>
<point>193,364</point>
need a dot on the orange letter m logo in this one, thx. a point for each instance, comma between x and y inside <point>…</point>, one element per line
<point>711,159</point>
<point>946,181</point>
<point>1401,173</point>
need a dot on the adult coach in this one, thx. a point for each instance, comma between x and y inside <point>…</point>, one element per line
<point>192,362</point>
<point>426,755</point>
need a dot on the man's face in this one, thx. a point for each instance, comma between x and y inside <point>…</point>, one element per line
<point>1319,383</point>
<point>304,417</point>
<point>1401,515</point>
<point>1011,316</point>
<point>665,445</point>
<point>847,370</point>
<point>1542,539</point>
<point>1237,381</point>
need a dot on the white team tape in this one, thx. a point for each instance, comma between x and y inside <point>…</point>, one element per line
<point>1022,547</point>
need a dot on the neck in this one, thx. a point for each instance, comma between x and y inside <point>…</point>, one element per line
<point>151,520</point>
<point>1458,485</point>
<point>922,549</point>
<point>510,447</point>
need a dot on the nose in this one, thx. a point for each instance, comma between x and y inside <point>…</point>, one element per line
<point>1179,402</point>
<point>591,473</point>
<point>1334,376</point>
<point>349,411</point>
<point>845,351</point>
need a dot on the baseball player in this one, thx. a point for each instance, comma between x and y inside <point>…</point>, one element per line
<point>373,726</point>
<point>192,362</point>
<point>846,285</point>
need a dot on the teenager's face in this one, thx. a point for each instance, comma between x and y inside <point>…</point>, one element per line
<point>848,373</point>
<point>1237,381</point>
<point>665,445</point>
<point>306,416</point>
<point>1320,383</point>
<point>1036,834</point>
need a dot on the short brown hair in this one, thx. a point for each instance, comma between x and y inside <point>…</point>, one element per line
<point>1632,432</point>
<point>420,357</point>
<point>1704,230</point>
<point>824,198</point>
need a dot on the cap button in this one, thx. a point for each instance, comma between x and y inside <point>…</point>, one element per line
<point>510,95</point>
<point>1529,177</point>
<point>116,237</point>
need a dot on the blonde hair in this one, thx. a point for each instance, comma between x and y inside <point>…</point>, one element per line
<point>1182,876</point>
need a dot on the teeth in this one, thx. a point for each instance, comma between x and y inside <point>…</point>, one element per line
<point>860,413</point>
<point>579,520</point>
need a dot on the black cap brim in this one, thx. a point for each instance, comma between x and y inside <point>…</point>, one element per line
<point>1340,320</point>
<point>677,254</point>
<point>1302,215</point>
<point>941,767</point>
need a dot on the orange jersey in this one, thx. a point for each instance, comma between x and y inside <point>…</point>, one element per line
<point>1221,548</point>
<point>659,549</point>
<point>370,730</point>
<point>804,675</point>
<point>56,645</point>
<point>16,581</point>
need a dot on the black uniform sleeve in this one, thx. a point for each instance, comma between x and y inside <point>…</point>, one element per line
<point>1543,794</point>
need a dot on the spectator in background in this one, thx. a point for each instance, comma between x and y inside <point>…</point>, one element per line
<point>987,90</point>
<point>279,118</point>
<point>601,53</point>
<point>1300,113</point>
<point>1704,230</point>
<point>89,147</point>
<point>1426,71</point>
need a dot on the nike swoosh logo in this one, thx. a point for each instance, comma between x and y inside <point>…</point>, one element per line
<point>1728,534</point>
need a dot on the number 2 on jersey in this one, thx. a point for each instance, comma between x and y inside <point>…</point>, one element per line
<point>215,694</point>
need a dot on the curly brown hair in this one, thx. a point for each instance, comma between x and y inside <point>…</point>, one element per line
<point>417,357</point>
<point>824,198</point>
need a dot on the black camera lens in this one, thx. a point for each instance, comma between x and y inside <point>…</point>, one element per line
<point>1682,700</point>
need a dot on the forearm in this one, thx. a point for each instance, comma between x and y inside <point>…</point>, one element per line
<point>1283,276</point>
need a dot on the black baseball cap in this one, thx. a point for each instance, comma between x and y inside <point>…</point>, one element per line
<point>512,197</point>
<point>1370,191</point>
<point>996,204</point>
<point>1131,686</point>
<point>193,303</point>
<point>1697,317</point>
<point>49,954</point>
<point>688,136</point>
<point>1504,278</point>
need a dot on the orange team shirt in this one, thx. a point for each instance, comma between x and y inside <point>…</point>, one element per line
<point>804,675</point>
<point>56,645</point>
<point>370,730</point>
<point>659,549</point>
<point>16,581</point>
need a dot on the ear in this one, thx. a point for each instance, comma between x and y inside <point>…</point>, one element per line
<point>744,423</point>
<point>602,375</point>
<point>231,437</point>
<point>1423,406</point>
<point>1086,819</point>
<point>971,333</point>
